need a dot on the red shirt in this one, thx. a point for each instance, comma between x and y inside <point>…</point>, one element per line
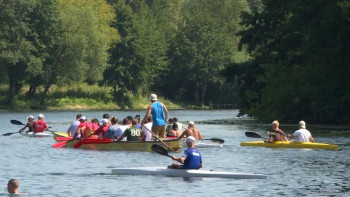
<point>102,130</point>
<point>39,126</point>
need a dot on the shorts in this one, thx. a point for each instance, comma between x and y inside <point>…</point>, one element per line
<point>159,131</point>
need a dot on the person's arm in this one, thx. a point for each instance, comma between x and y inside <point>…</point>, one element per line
<point>311,139</point>
<point>122,136</point>
<point>166,112</point>
<point>200,136</point>
<point>291,136</point>
<point>142,137</point>
<point>181,159</point>
<point>149,110</point>
<point>182,135</point>
<point>23,128</point>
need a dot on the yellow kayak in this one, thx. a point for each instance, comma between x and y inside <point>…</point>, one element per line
<point>291,144</point>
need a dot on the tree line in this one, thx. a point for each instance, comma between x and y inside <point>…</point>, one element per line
<point>277,60</point>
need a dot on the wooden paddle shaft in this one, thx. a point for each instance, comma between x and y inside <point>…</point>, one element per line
<point>160,140</point>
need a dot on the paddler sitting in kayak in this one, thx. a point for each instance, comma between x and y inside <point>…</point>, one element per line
<point>277,134</point>
<point>191,158</point>
<point>192,131</point>
<point>302,134</point>
<point>40,126</point>
<point>29,125</point>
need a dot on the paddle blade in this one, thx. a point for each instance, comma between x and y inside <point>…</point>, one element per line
<point>16,122</point>
<point>78,144</point>
<point>252,134</point>
<point>217,140</point>
<point>7,134</point>
<point>160,150</point>
<point>59,144</point>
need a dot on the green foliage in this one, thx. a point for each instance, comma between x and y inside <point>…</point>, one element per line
<point>302,50</point>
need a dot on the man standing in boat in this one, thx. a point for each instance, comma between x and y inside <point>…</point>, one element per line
<point>40,126</point>
<point>191,158</point>
<point>192,131</point>
<point>302,135</point>
<point>159,115</point>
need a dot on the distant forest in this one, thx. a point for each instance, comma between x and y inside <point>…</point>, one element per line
<point>286,60</point>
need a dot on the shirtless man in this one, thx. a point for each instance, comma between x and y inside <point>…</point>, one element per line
<point>191,131</point>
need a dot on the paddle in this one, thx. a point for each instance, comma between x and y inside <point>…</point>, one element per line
<point>61,144</point>
<point>216,140</point>
<point>160,140</point>
<point>160,150</point>
<point>7,134</point>
<point>16,122</point>
<point>252,134</point>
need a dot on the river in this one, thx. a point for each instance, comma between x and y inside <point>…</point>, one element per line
<point>46,171</point>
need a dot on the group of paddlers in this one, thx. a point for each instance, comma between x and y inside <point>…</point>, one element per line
<point>35,126</point>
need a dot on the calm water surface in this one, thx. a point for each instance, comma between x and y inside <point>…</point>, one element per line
<point>45,171</point>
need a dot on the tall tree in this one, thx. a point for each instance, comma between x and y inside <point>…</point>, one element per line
<point>204,45</point>
<point>79,52</point>
<point>18,54</point>
<point>303,52</point>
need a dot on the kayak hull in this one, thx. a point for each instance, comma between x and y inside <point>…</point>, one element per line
<point>164,171</point>
<point>292,144</point>
<point>32,134</point>
<point>107,145</point>
<point>208,145</point>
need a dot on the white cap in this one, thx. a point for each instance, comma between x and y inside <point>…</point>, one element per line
<point>32,117</point>
<point>153,97</point>
<point>190,123</point>
<point>41,116</point>
<point>82,118</point>
<point>104,121</point>
<point>302,124</point>
<point>190,139</point>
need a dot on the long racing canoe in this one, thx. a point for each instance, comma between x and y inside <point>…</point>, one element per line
<point>164,171</point>
<point>291,144</point>
<point>108,145</point>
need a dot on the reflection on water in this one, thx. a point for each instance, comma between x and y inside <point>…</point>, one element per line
<point>45,171</point>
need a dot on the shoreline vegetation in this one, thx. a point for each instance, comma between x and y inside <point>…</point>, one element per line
<point>83,97</point>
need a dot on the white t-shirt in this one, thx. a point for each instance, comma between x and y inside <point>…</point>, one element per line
<point>73,127</point>
<point>148,134</point>
<point>121,130</point>
<point>302,135</point>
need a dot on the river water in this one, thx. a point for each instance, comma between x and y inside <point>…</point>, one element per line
<point>45,171</point>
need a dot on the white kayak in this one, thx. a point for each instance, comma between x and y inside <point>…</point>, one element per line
<point>32,134</point>
<point>164,171</point>
<point>208,145</point>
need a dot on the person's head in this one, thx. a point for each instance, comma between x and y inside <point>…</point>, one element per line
<point>149,119</point>
<point>130,119</point>
<point>78,116</point>
<point>170,121</point>
<point>104,122</point>
<point>153,97</point>
<point>137,118</point>
<point>190,141</point>
<point>175,119</point>
<point>190,124</point>
<point>275,124</point>
<point>105,116</point>
<point>30,118</point>
<point>134,122</point>
<point>95,120</point>
<point>125,121</point>
<point>41,116</point>
<point>114,120</point>
<point>82,119</point>
<point>175,127</point>
<point>302,124</point>
<point>12,186</point>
